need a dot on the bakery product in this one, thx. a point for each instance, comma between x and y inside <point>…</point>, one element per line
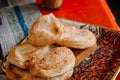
<point>76,38</point>
<point>21,54</point>
<point>16,73</point>
<point>47,30</point>
<point>39,59</point>
<point>57,61</point>
<point>44,31</point>
<point>26,61</point>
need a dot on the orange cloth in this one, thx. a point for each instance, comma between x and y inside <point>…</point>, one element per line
<point>91,11</point>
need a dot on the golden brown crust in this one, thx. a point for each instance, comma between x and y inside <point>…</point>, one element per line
<point>47,30</point>
<point>22,53</point>
<point>76,38</point>
<point>44,31</point>
<point>58,61</point>
<point>37,59</point>
<point>16,73</point>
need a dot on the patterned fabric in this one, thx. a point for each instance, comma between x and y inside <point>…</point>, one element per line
<point>7,3</point>
<point>15,23</point>
<point>102,64</point>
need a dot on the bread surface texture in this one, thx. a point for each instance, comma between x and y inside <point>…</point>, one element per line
<point>50,52</point>
<point>76,38</point>
<point>45,30</point>
<point>16,73</point>
<point>22,53</point>
<point>58,61</point>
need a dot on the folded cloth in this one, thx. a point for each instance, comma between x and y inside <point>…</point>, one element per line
<point>15,22</point>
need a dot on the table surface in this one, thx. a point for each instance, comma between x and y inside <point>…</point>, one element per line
<point>90,11</point>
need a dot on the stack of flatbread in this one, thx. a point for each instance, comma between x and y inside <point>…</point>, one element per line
<point>51,52</point>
